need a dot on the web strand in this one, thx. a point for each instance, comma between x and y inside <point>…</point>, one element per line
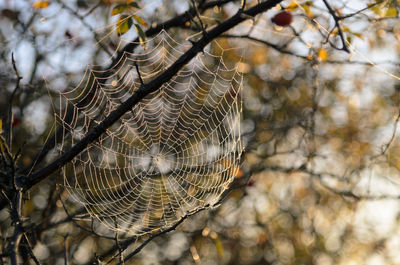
<point>175,152</point>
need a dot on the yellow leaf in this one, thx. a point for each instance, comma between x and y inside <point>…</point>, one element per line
<point>376,9</point>
<point>1,125</point>
<point>118,9</point>
<point>359,35</point>
<point>292,6</point>
<point>140,20</point>
<point>391,12</point>
<point>308,11</point>
<point>41,4</point>
<point>322,55</point>
<point>124,23</point>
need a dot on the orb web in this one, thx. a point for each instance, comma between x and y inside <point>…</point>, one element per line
<point>174,153</point>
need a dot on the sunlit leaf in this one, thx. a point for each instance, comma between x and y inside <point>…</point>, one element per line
<point>1,125</point>
<point>118,9</point>
<point>307,10</point>
<point>41,4</point>
<point>377,10</point>
<point>391,12</point>
<point>124,23</point>
<point>239,173</point>
<point>140,20</point>
<point>292,6</point>
<point>142,36</point>
<point>323,55</point>
<point>359,35</point>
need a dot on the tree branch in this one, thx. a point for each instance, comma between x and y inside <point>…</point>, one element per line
<point>177,21</point>
<point>144,90</point>
<point>337,25</point>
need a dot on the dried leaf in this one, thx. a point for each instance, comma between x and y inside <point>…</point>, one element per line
<point>10,14</point>
<point>239,173</point>
<point>219,247</point>
<point>338,12</point>
<point>124,23</point>
<point>322,55</point>
<point>41,4</point>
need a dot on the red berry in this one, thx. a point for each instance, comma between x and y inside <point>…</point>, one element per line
<point>251,183</point>
<point>283,18</point>
<point>15,122</point>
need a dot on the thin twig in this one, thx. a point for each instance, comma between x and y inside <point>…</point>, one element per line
<point>30,251</point>
<point>359,11</point>
<point>337,25</point>
<point>18,230</point>
<point>81,226</point>
<point>120,250</point>
<point>10,116</point>
<point>147,241</point>
<point>139,75</point>
<point>65,250</point>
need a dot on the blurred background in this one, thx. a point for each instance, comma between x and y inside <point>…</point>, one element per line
<point>319,127</point>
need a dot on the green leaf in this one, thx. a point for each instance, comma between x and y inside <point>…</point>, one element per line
<point>118,9</point>
<point>124,23</point>
<point>140,20</point>
<point>142,36</point>
<point>134,4</point>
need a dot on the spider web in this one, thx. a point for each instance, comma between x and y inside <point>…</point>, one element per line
<point>174,153</point>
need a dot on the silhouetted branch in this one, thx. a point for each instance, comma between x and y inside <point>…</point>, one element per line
<point>336,18</point>
<point>177,21</point>
<point>144,90</point>
<point>8,129</point>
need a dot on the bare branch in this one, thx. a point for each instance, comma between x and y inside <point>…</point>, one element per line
<point>144,90</point>
<point>8,129</point>
<point>338,26</point>
<point>177,21</point>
